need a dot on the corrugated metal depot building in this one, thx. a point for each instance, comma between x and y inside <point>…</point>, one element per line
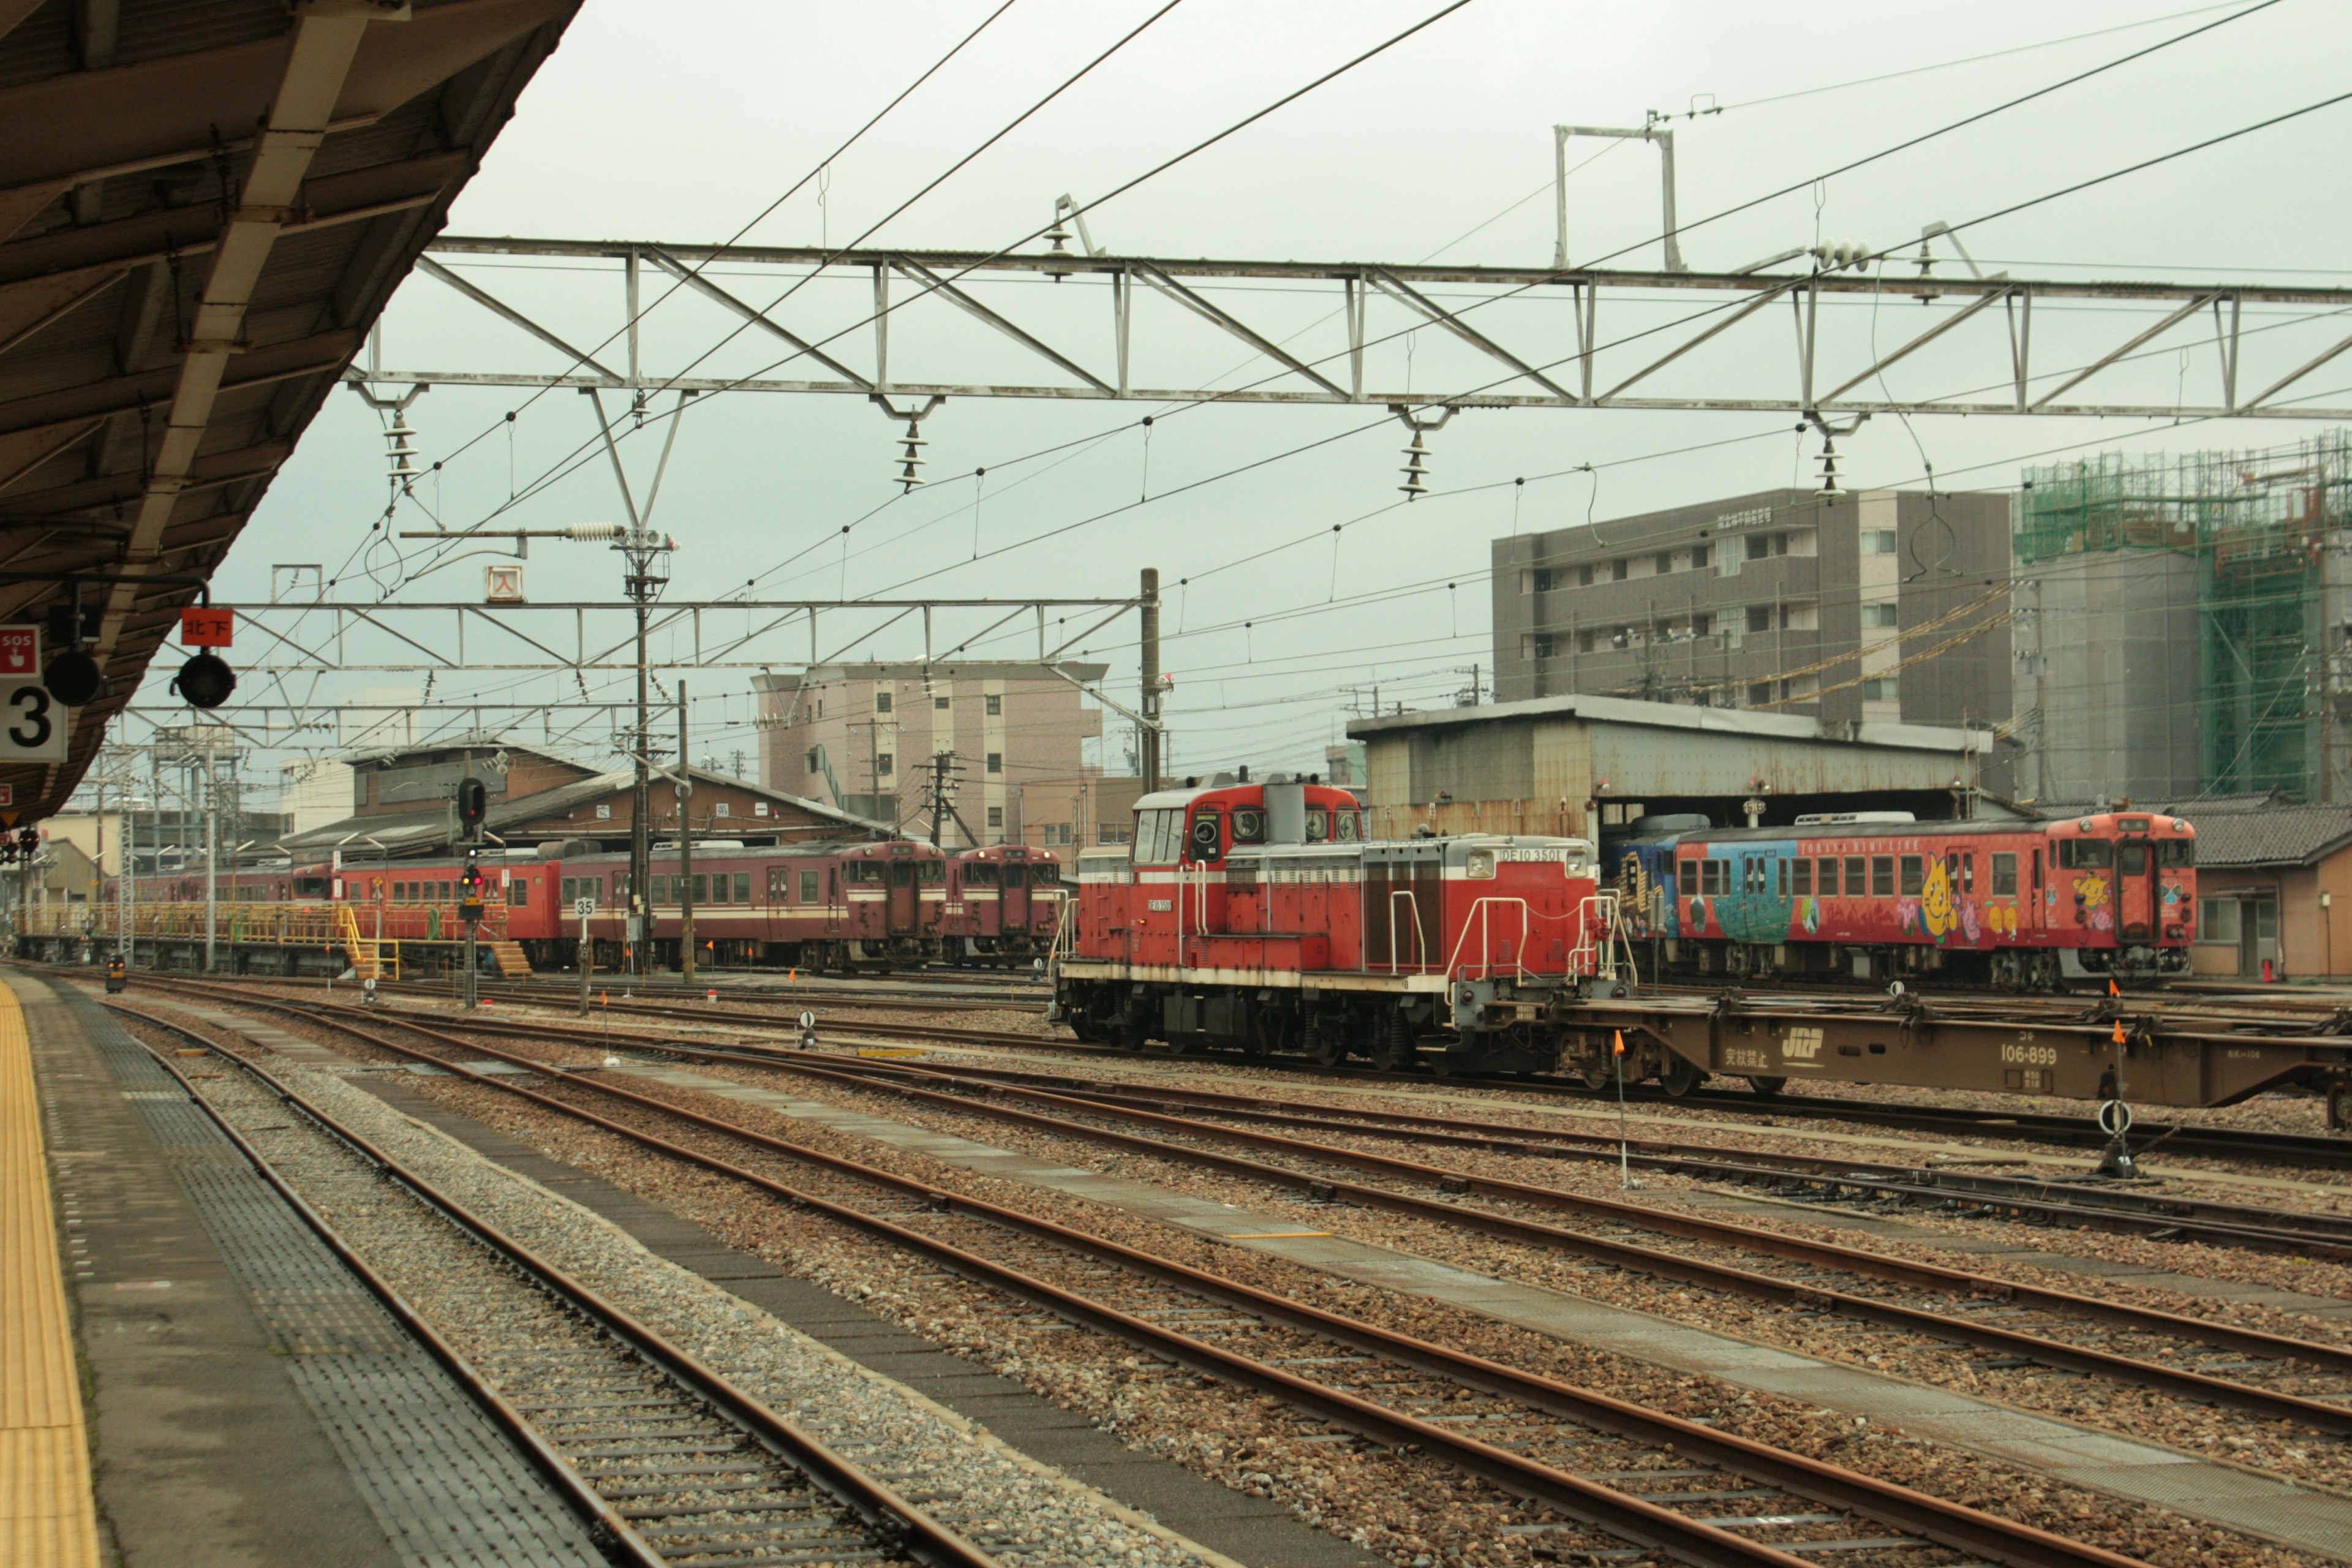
<point>1541,765</point>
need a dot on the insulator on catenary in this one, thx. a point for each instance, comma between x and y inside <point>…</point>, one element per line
<point>912,458</point>
<point>1416,459</point>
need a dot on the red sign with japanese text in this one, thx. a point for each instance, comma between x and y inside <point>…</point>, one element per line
<point>204,626</point>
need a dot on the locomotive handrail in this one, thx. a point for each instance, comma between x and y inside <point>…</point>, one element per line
<point>1419,942</point>
<point>1481,912</point>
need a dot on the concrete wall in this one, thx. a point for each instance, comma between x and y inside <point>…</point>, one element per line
<point>2107,645</point>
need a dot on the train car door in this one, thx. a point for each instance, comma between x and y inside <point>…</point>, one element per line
<point>1013,900</point>
<point>902,905</point>
<point>2137,898</point>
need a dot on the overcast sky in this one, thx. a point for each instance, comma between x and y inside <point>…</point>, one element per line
<point>681,123</point>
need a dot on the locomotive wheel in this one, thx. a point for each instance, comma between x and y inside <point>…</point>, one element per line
<point>1596,1075</point>
<point>1767,1087</point>
<point>1327,1047</point>
<point>1389,1054</point>
<point>1678,1076</point>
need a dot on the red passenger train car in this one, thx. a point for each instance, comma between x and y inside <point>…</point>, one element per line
<point>1003,905</point>
<point>1259,914</point>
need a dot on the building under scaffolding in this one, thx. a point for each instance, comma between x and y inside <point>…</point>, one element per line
<point>2184,628</point>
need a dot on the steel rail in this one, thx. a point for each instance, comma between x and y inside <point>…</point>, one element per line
<point>1631,1517</point>
<point>2195,1385</point>
<point>895,1523</point>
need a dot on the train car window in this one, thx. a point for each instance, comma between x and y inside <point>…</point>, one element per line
<point>1249,824</point>
<point>1688,876</point>
<point>1803,873</point>
<point>808,887</point>
<point>929,873</point>
<point>1015,876</point>
<point>517,894</point>
<point>661,889</point>
<point>1826,884</point>
<point>980,874</point>
<point>780,885</point>
<point>309,887</point>
<point>571,888</point>
<point>1712,875</point>
<point>1044,873</point>
<point>2085,854</point>
<point>1882,876</point>
<point>1915,876</point>
<point>701,881</point>
<point>902,873</point>
<point>2174,852</point>
<point>1318,824</point>
<point>743,887</point>
<point>2004,873</point>
<point>1853,876</point>
<point>2037,870</point>
<point>718,886</point>
<point>1159,836</point>
<point>2131,859</point>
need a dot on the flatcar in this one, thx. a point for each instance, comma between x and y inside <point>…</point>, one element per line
<point>1878,897</point>
<point>1257,915</point>
<point>1003,905</point>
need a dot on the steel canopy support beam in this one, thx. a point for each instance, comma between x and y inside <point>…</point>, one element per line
<point>939,285</point>
<point>327,36</point>
<point>1397,289</point>
<point>2165,325</point>
<point>1217,316</point>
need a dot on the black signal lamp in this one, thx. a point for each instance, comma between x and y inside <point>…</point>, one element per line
<point>473,802</point>
<point>73,677</point>
<point>205,681</point>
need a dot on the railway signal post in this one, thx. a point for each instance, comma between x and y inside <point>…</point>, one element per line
<point>473,805</point>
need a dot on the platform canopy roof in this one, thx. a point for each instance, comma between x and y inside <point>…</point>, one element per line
<point>204,205</point>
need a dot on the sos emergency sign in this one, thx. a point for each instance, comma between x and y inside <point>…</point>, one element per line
<point>34,726</point>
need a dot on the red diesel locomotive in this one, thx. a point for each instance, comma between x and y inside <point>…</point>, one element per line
<point>1003,905</point>
<point>1257,915</point>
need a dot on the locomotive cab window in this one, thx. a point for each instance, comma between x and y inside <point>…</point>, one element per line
<point>1159,836</point>
<point>1208,838</point>
<point>1915,876</point>
<point>930,873</point>
<point>2004,873</point>
<point>2173,852</point>
<point>980,874</point>
<point>2085,854</point>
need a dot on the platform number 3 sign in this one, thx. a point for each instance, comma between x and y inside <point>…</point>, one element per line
<point>33,725</point>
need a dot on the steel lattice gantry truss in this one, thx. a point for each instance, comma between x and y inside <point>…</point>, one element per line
<point>203,207</point>
<point>1917,335</point>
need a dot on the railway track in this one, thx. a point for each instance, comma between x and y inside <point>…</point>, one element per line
<point>1609,1475</point>
<point>2302,1150</point>
<point>665,1458</point>
<point>2287,1379</point>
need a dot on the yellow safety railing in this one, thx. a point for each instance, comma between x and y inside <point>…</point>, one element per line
<point>319,924</point>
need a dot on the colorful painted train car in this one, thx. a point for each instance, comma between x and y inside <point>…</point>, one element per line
<point>1877,897</point>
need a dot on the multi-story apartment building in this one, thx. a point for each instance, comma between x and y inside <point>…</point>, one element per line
<point>870,738</point>
<point>1879,606</point>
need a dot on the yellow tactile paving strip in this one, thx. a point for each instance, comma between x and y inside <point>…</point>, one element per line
<point>48,1516</point>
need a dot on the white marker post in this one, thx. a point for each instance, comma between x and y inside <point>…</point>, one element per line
<point>808,1030</point>
<point>585,908</point>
